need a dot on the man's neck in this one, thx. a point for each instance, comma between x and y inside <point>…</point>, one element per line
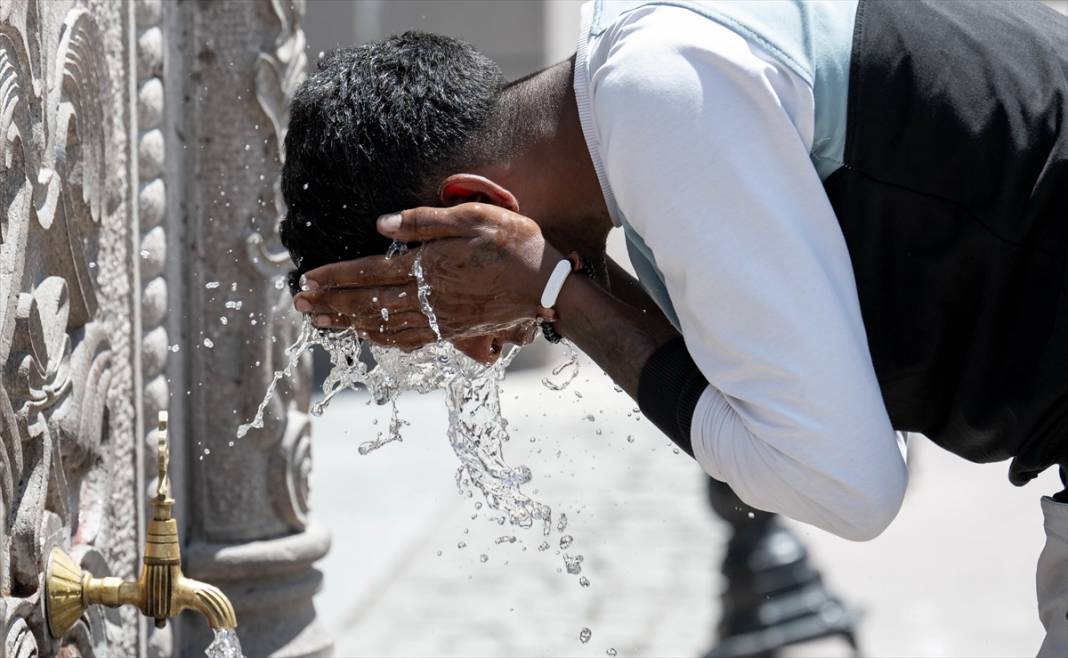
<point>553,175</point>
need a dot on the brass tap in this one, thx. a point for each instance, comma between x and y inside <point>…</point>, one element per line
<point>161,591</point>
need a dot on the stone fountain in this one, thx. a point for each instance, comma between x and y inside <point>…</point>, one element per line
<point>140,149</point>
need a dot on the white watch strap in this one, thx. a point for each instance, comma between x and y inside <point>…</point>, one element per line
<point>555,283</point>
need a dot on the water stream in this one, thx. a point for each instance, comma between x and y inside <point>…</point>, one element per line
<point>225,645</point>
<point>476,430</point>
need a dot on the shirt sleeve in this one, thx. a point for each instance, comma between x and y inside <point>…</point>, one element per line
<point>702,148</point>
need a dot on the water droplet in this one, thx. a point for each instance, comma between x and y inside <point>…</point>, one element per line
<point>630,438</point>
<point>223,320</point>
<point>751,515</point>
<point>209,343</point>
<point>611,652</point>
<point>305,186</point>
<point>461,544</point>
<point>585,634</point>
<point>584,581</point>
<point>483,558</point>
<point>573,563</point>
<point>145,253</point>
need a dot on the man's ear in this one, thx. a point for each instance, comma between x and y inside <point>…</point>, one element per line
<point>462,188</point>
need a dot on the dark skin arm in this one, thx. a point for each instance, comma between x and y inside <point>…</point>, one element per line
<point>619,328</point>
<point>487,267</point>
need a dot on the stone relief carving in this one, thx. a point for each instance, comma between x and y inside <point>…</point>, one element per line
<point>278,74</point>
<point>152,210</point>
<point>83,304</point>
<point>64,397</point>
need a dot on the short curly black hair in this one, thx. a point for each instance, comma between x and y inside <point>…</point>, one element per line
<point>371,131</point>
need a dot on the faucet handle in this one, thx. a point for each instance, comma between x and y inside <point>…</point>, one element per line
<point>163,455</point>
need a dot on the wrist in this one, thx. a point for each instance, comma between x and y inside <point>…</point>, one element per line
<point>570,304</point>
<point>548,277</point>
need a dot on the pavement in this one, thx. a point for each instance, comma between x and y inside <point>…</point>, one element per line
<point>953,576</point>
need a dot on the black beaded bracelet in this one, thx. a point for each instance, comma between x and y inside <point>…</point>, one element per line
<point>550,333</point>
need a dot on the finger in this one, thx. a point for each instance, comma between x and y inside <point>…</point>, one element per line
<point>422,224</point>
<point>360,302</point>
<point>417,334</point>
<point>394,323</point>
<point>331,321</point>
<point>407,340</point>
<point>361,273</point>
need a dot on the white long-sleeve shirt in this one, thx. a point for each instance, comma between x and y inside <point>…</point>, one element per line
<point>701,142</point>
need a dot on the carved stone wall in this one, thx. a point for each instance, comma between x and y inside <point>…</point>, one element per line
<point>69,399</point>
<point>107,108</point>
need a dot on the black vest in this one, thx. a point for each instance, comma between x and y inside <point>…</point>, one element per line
<point>954,205</point>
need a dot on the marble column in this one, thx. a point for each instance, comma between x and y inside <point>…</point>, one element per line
<point>249,530</point>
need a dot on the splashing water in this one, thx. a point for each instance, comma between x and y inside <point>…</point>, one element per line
<point>225,645</point>
<point>573,564</point>
<point>571,365</point>
<point>476,429</point>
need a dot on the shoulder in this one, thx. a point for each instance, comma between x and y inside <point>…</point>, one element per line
<point>656,46</point>
<point>665,58</point>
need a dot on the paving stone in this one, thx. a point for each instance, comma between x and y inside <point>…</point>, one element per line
<point>953,576</point>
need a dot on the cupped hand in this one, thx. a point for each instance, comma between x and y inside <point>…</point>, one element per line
<point>486,267</point>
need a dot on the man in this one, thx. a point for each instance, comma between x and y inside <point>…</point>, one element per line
<point>852,218</point>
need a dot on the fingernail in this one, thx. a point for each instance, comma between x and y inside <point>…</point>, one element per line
<point>324,320</point>
<point>307,284</point>
<point>390,222</point>
<point>302,305</point>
